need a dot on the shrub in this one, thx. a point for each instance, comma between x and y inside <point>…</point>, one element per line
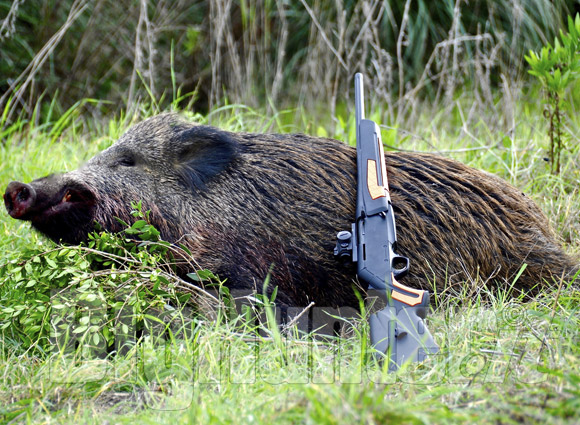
<point>95,296</point>
<point>557,68</point>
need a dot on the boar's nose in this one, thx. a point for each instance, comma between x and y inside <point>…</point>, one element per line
<point>19,199</point>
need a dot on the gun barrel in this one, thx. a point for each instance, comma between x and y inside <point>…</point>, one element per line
<point>359,98</point>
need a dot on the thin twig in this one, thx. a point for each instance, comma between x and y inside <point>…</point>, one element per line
<point>283,38</point>
<point>323,35</point>
<point>296,318</point>
<point>400,49</point>
<point>7,29</point>
<point>76,10</point>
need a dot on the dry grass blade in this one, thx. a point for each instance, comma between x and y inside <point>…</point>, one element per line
<point>296,318</point>
<point>400,41</point>
<point>19,86</point>
<point>283,40</point>
<point>7,28</point>
<point>323,35</point>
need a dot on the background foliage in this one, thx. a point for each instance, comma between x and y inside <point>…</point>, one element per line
<point>255,52</point>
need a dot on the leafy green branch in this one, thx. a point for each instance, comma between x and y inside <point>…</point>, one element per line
<point>557,68</point>
<point>91,295</point>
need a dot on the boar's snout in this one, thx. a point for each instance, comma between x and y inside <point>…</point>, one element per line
<point>19,199</point>
<point>60,207</point>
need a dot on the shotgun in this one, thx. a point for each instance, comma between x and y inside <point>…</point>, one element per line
<point>398,331</point>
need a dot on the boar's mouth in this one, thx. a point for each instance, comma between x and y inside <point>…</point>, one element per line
<point>64,215</point>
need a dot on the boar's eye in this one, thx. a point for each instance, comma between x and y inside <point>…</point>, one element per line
<point>127,161</point>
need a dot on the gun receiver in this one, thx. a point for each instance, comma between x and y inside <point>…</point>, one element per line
<point>399,328</point>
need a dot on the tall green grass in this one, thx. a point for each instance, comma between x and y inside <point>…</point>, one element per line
<point>504,363</point>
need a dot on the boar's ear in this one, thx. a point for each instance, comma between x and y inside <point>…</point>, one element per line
<point>204,153</point>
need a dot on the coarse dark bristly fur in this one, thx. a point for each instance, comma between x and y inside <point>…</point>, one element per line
<point>243,203</point>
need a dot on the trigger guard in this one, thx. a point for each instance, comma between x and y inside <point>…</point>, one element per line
<point>400,272</point>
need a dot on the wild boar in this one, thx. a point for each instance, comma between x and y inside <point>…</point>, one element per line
<point>245,204</point>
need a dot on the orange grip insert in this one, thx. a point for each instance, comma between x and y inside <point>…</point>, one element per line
<point>407,299</point>
<point>375,190</point>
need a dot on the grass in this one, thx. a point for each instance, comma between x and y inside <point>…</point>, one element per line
<point>498,371</point>
<point>502,361</point>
